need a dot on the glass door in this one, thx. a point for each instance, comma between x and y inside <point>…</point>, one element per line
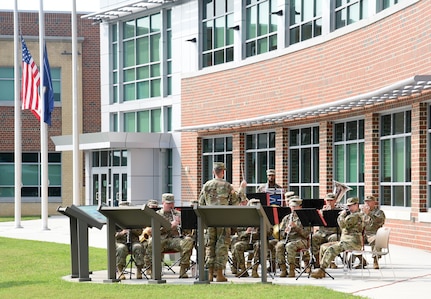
<point>100,189</point>
<point>119,187</point>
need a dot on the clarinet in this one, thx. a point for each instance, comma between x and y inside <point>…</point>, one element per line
<point>289,228</point>
<point>178,226</point>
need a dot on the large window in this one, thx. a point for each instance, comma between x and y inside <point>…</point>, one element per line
<point>350,11</point>
<point>218,32</point>
<point>349,156</point>
<point>261,27</point>
<point>383,4</point>
<point>148,121</point>
<point>8,89</point>
<point>218,149</point>
<point>395,159</point>
<point>138,55</point>
<point>259,157</point>
<point>305,20</point>
<point>304,162</point>
<point>31,175</point>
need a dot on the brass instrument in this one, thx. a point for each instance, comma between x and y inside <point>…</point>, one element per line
<point>339,190</point>
<point>276,231</point>
<point>146,234</point>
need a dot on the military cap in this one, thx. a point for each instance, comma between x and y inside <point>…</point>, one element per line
<point>370,198</point>
<point>352,201</point>
<point>253,202</point>
<point>168,197</point>
<point>330,196</point>
<point>270,172</point>
<point>288,194</point>
<point>219,166</point>
<point>295,201</point>
<point>152,202</point>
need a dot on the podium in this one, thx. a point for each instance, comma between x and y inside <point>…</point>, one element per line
<point>231,216</point>
<point>134,217</point>
<point>81,218</point>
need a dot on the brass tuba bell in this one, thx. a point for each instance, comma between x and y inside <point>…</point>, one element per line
<point>276,231</point>
<point>339,190</point>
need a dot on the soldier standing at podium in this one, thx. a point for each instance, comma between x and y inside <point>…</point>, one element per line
<point>217,239</point>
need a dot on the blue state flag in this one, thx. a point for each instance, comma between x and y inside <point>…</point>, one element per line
<point>48,90</point>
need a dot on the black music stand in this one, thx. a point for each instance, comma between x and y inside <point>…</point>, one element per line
<point>262,196</point>
<point>231,216</point>
<point>189,220</point>
<point>316,203</point>
<point>134,217</point>
<point>331,217</point>
<point>276,214</point>
<point>310,217</point>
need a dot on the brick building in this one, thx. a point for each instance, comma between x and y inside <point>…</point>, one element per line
<point>59,43</point>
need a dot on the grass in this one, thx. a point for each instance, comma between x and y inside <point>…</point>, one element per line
<point>12,218</point>
<point>34,269</point>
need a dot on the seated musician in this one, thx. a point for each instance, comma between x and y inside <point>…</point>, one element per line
<point>127,241</point>
<point>325,234</point>
<point>244,238</point>
<point>295,238</point>
<point>146,233</point>
<point>172,240</point>
<point>351,224</point>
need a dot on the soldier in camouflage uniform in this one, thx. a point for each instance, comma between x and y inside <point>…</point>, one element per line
<point>126,241</point>
<point>172,240</point>
<point>352,226</point>
<point>295,238</point>
<point>270,174</point>
<point>325,234</point>
<point>374,218</point>
<point>219,192</point>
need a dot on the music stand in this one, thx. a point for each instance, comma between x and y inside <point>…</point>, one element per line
<point>310,217</point>
<point>262,196</point>
<point>189,220</point>
<point>331,217</point>
<point>316,203</point>
<point>276,214</point>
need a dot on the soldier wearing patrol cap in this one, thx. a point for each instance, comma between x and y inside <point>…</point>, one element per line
<point>270,184</point>
<point>351,223</point>
<point>219,192</point>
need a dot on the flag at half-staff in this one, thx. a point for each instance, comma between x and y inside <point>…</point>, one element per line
<point>30,82</point>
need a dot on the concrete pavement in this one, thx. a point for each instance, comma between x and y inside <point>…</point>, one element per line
<point>411,274</point>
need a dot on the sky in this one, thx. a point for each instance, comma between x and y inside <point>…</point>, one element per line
<point>52,5</point>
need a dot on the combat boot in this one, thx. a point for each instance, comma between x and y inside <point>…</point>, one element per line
<point>210,273</point>
<point>220,276</point>
<point>291,270</point>
<point>376,263</point>
<point>121,275</point>
<point>138,272</point>
<point>283,270</point>
<point>183,271</point>
<point>254,273</point>
<point>318,273</point>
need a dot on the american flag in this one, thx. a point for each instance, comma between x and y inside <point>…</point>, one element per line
<point>30,82</point>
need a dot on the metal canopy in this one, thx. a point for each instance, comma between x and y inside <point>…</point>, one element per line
<point>409,87</point>
<point>124,9</point>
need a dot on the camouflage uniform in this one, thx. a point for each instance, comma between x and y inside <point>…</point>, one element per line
<point>297,239</point>
<point>351,238</point>
<point>373,221</point>
<point>323,235</point>
<point>122,250</point>
<point>171,241</point>
<point>217,239</point>
<point>263,188</point>
<point>241,245</point>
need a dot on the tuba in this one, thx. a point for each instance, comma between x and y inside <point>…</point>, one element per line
<point>339,190</point>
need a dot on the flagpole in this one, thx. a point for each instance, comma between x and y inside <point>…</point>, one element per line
<point>17,113</point>
<point>75,136</point>
<point>43,125</point>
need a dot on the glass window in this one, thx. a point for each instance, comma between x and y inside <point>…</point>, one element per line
<point>31,180</point>
<point>305,20</point>
<point>217,39</point>
<point>260,156</point>
<point>349,12</point>
<point>8,89</point>
<point>261,27</point>
<point>383,4</point>
<point>304,162</point>
<point>395,159</point>
<point>349,156</point>
<point>218,149</point>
